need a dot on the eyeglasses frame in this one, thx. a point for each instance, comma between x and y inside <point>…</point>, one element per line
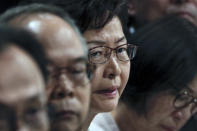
<point>193,100</point>
<point>115,49</point>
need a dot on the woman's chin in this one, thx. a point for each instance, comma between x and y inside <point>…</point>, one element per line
<point>104,105</point>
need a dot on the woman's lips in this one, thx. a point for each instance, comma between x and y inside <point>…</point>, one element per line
<point>108,92</point>
<point>184,14</point>
<point>168,128</point>
<point>65,115</point>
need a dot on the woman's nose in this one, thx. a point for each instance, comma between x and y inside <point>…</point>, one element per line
<point>183,114</point>
<point>113,68</point>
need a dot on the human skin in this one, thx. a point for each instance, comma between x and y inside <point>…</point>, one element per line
<point>22,93</point>
<point>111,77</point>
<point>68,95</point>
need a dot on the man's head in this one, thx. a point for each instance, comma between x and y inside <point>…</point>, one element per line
<point>149,10</point>
<point>68,85</point>
<point>164,74</point>
<point>22,87</point>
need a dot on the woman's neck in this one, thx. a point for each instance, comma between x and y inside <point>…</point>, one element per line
<point>125,118</point>
<point>89,119</point>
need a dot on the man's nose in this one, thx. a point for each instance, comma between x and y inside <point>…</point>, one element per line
<point>66,86</point>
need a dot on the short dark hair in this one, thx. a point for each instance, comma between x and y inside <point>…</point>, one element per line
<point>26,41</point>
<point>88,14</point>
<point>166,60</point>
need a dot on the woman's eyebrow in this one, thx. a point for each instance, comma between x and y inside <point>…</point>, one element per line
<point>98,42</point>
<point>120,40</point>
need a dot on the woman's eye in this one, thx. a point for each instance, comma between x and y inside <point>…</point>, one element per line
<point>120,50</point>
<point>184,97</point>
<point>96,54</point>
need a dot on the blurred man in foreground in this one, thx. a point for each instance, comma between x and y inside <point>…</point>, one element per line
<point>22,87</point>
<point>68,86</point>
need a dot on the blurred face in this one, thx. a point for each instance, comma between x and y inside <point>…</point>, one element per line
<point>22,98</point>
<point>162,114</point>
<point>68,86</point>
<point>149,10</point>
<point>109,78</point>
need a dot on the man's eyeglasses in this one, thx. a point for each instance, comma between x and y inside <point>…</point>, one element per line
<point>101,54</point>
<point>184,99</point>
<point>79,73</point>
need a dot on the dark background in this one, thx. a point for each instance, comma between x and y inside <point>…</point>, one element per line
<point>5,4</point>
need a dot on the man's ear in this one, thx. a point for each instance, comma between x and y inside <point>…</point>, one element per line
<point>131,8</point>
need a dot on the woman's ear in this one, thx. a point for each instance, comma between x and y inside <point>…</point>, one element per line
<point>131,8</point>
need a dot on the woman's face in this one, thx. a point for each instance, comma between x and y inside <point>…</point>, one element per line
<point>162,114</point>
<point>109,78</point>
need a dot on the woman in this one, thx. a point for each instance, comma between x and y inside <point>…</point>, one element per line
<point>162,91</point>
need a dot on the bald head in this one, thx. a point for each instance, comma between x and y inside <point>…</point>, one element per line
<point>53,32</point>
<point>23,14</point>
